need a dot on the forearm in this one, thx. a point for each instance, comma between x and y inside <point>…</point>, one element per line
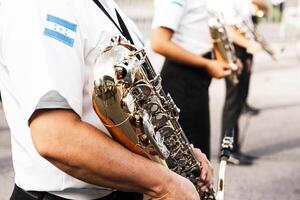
<point>237,38</point>
<point>164,46</point>
<point>88,154</point>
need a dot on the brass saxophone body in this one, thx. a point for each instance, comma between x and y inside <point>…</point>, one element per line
<point>129,100</point>
<point>223,48</point>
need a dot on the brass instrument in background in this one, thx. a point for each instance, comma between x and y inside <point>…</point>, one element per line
<point>129,100</point>
<point>223,48</point>
<point>258,12</point>
<point>245,29</point>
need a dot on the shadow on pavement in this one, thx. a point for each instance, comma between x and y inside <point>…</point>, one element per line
<point>276,148</point>
<point>278,107</point>
<point>3,129</point>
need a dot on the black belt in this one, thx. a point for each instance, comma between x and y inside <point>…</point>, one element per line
<point>20,194</point>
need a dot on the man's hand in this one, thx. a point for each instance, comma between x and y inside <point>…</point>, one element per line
<point>207,172</point>
<point>178,188</point>
<point>218,69</point>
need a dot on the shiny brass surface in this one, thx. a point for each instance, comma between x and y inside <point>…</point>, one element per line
<point>223,48</point>
<point>107,99</point>
<point>129,100</point>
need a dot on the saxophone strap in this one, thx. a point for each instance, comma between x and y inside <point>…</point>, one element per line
<point>121,27</point>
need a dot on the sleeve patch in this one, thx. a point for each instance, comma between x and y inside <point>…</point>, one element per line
<point>60,30</point>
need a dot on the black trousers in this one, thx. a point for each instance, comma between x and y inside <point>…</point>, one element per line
<point>20,194</point>
<point>188,87</point>
<point>236,97</point>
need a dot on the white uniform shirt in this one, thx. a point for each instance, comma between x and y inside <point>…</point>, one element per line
<point>233,11</point>
<point>188,19</point>
<point>45,46</point>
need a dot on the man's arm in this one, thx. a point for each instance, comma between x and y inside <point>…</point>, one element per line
<point>88,154</point>
<point>162,44</point>
<point>237,38</point>
<point>240,40</point>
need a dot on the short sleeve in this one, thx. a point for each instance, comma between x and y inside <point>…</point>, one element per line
<point>168,13</point>
<point>226,9</point>
<point>53,100</point>
<point>237,11</point>
<point>44,53</point>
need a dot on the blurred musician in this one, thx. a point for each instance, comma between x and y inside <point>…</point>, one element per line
<point>181,34</point>
<point>234,13</point>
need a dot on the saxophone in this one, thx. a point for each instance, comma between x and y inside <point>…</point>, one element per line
<point>223,48</point>
<point>129,100</point>
<point>246,30</point>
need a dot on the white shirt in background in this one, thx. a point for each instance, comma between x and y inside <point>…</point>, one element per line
<point>233,11</point>
<point>189,21</point>
<point>45,46</point>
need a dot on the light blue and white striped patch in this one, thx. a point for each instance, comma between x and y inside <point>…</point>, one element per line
<point>60,30</point>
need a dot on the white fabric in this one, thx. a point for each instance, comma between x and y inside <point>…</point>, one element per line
<point>277,2</point>
<point>32,64</point>
<point>233,11</point>
<point>188,20</point>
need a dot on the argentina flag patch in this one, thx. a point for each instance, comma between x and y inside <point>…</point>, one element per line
<point>60,29</point>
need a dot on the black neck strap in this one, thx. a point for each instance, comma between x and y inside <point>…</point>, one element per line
<point>122,28</point>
